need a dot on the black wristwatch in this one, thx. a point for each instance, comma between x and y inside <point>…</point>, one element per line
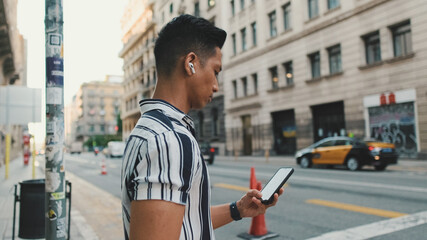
<point>235,214</point>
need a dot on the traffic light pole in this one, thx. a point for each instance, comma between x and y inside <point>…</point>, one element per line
<point>55,208</point>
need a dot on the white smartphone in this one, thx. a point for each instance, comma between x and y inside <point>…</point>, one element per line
<point>275,183</point>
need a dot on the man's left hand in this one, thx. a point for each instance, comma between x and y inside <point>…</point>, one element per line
<point>250,204</point>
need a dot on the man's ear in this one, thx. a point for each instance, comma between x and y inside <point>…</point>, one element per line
<point>190,63</point>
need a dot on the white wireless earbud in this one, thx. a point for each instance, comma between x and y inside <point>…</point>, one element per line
<point>192,68</point>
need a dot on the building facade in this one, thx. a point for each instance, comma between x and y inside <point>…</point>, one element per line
<point>141,23</point>
<point>139,34</point>
<point>94,110</point>
<point>13,70</point>
<point>295,72</point>
<point>304,70</point>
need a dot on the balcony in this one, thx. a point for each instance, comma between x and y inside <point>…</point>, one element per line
<point>132,112</point>
<point>136,37</point>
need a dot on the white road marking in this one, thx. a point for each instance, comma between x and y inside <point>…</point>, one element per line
<point>329,181</point>
<point>362,184</point>
<point>377,228</point>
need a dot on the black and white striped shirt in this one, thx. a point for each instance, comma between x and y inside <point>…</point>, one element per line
<point>162,161</point>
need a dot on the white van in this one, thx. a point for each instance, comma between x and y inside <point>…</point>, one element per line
<point>116,148</point>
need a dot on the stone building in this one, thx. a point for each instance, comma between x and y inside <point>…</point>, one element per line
<point>13,69</point>
<point>141,22</point>
<point>94,109</point>
<point>297,71</point>
<point>304,70</point>
<point>139,33</point>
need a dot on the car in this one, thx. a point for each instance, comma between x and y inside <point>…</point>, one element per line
<point>350,152</point>
<point>208,152</point>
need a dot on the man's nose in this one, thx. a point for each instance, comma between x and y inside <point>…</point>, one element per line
<point>215,86</point>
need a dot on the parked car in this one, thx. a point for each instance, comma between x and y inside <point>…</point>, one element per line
<point>116,148</point>
<point>208,152</point>
<point>349,152</point>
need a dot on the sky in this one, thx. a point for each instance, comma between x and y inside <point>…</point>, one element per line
<point>92,42</point>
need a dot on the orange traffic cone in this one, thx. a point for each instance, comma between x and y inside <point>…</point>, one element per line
<point>103,168</point>
<point>252,180</point>
<point>258,228</point>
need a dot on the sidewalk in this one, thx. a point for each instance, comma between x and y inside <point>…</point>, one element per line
<point>19,172</point>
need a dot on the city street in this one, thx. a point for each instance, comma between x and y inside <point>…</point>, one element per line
<point>316,201</point>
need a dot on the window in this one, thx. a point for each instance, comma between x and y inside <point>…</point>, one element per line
<point>235,88</point>
<point>274,78</point>
<point>197,9</point>
<point>233,38</point>
<point>289,73</point>
<point>402,40</point>
<point>253,26</point>
<point>313,8</point>
<point>372,48</point>
<point>287,16</point>
<point>215,122</point>
<point>171,8</point>
<point>243,33</point>
<point>242,4</point>
<point>326,144</point>
<point>255,82</point>
<point>273,28</point>
<point>333,4</point>
<point>315,64</point>
<point>211,3</point>
<point>342,143</point>
<point>245,86</point>
<point>102,126</point>
<point>233,9</point>
<point>91,128</point>
<point>335,59</point>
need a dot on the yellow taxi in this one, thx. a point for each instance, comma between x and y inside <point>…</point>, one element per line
<point>349,152</point>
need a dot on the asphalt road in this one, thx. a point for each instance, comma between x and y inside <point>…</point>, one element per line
<point>323,203</point>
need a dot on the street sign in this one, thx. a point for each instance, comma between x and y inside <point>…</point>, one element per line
<point>20,105</point>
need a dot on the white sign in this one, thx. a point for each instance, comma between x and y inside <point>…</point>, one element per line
<point>20,105</point>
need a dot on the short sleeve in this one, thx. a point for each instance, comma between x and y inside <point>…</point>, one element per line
<point>165,168</point>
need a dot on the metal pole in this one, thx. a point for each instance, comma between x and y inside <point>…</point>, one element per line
<point>55,188</point>
<point>34,156</point>
<point>7,157</point>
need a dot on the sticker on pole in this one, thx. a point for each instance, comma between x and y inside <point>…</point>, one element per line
<point>54,95</point>
<point>53,180</point>
<point>54,45</point>
<point>54,71</point>
<point>57,196</point>
<point>52,215</point>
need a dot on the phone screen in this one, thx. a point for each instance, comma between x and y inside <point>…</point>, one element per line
<point>275,182</point>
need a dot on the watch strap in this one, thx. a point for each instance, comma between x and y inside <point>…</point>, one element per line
<point>235,214</point>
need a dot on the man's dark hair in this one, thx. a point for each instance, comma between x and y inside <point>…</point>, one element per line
<point>185,34</point>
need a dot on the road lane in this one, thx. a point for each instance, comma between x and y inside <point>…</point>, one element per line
<point>294,218</point>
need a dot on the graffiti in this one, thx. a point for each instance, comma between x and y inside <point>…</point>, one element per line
<point>395,124</point>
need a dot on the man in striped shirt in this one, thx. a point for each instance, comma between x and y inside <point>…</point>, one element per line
<point>165,182</point>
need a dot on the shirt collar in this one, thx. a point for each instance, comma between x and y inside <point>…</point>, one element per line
<point>168,109</point>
